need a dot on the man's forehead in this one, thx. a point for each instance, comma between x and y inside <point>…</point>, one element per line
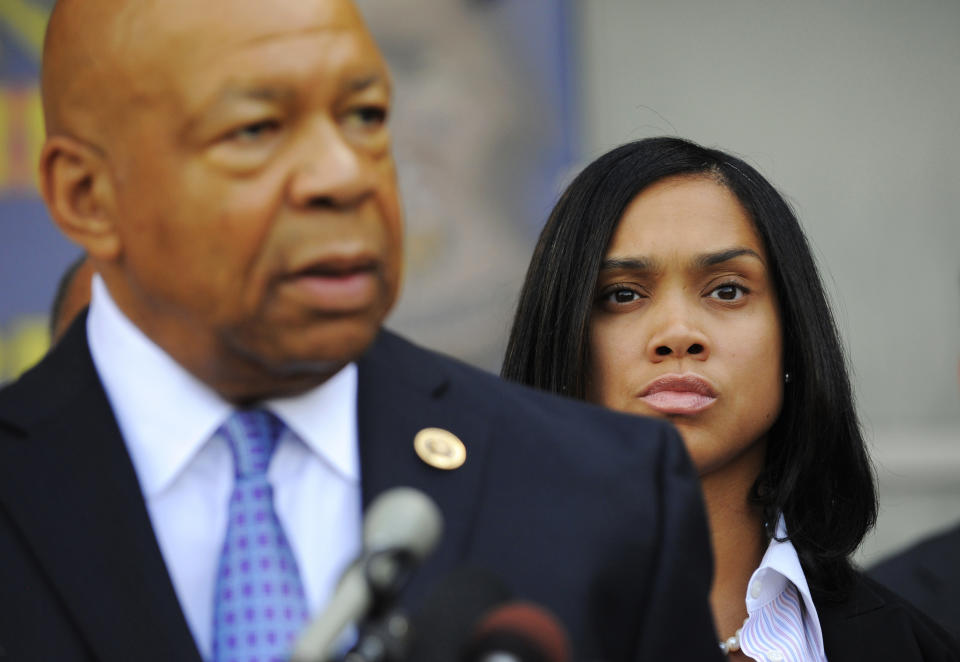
<point>196,61</point>
<point>238,89</point>
<point>98,49</point>
<point>278,67</point>
<point>132,21</point>
<point>218,24</point>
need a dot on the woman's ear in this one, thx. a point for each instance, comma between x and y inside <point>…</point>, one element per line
<point>76,185</point>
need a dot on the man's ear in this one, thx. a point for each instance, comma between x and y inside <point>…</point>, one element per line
<point>77,188</point>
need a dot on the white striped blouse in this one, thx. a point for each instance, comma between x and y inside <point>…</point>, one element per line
<point>782,625</point>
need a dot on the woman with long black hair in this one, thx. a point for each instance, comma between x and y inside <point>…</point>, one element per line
<point>674,281</point>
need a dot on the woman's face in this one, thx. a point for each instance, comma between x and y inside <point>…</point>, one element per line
<point>685,324</point>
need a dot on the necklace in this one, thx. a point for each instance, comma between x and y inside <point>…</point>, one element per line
<point>732,644</point>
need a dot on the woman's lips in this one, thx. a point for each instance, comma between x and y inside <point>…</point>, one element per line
<point>679,394</point>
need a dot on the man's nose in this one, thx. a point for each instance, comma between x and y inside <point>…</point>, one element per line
<point>329,171</point>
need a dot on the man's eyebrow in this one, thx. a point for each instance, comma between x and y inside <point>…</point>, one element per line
<point>261,93</point>
<point>231,94</point>
<point>361,83</point>
<point>628,264</point>
<point>237,92</point>
<point>708,260</point>
<point>278,93</point>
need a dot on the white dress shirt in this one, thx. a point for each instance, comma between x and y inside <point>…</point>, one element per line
<point>782,625</point>
<point>167,418</point>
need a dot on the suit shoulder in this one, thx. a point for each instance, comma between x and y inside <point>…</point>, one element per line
<point>937,551</point>
<point>531,414</point>
<point>482,386</point>
<point>23,395</point>
<point>873,613</point>
<point>64,373</point>
<point>927,576</point>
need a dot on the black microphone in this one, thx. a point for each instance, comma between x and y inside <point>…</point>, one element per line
<point>400,528</point>
<point>440,627</point>
<point>518,632</point>
<point>450,614</point>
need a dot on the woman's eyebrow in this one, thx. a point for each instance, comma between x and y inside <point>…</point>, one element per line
<point>628,264</point>
<point>707,260</point>
<point>700,262</point>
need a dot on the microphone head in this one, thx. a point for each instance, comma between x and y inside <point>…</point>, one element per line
<point>520,631</point>
<point>400,528</point>
<point>402,518</point>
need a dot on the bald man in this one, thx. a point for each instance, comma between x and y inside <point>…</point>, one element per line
<point>183,476</point>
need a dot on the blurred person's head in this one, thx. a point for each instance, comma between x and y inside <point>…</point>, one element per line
<point>666,259</point>
<point>474,129</point>
<point>231,180</point>
<point>72,296</point>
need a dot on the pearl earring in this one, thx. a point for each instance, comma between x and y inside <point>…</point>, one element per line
<point>787,378</point>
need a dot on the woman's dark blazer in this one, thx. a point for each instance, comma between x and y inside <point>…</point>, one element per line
<point>874,624</point>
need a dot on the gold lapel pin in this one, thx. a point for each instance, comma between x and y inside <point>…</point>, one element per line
<point>440,449</point>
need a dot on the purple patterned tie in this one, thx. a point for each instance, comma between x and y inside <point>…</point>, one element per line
<point>259,606</point>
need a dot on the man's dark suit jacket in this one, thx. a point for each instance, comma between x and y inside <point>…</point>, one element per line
<point>928,575</point>
<point>596,515</point>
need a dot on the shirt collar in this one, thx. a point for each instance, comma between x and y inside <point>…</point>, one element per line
<point>166,415</point>
<point>779,565</point>
<point>325,419</point>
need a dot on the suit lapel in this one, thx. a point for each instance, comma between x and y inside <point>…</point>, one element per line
<point>850,627</point>
<point>403,389</point>
<point>71,489</point>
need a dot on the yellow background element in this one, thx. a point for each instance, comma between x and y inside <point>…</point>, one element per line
<point>24,343</point>
<point>36,133</point>
<point>21,103</point>
<point>27,23</point>
<point>5,131</point>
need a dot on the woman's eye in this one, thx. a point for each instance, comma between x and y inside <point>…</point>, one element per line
<point>621,295</point>
<point>728,292</point>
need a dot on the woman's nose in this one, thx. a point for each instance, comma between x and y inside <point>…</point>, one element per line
<point>667,350</point>
<point>678,336</point>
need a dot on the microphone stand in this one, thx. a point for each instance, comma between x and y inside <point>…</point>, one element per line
<point>385,635</point>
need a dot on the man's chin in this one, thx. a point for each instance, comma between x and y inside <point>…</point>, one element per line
<point>318,351</point>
